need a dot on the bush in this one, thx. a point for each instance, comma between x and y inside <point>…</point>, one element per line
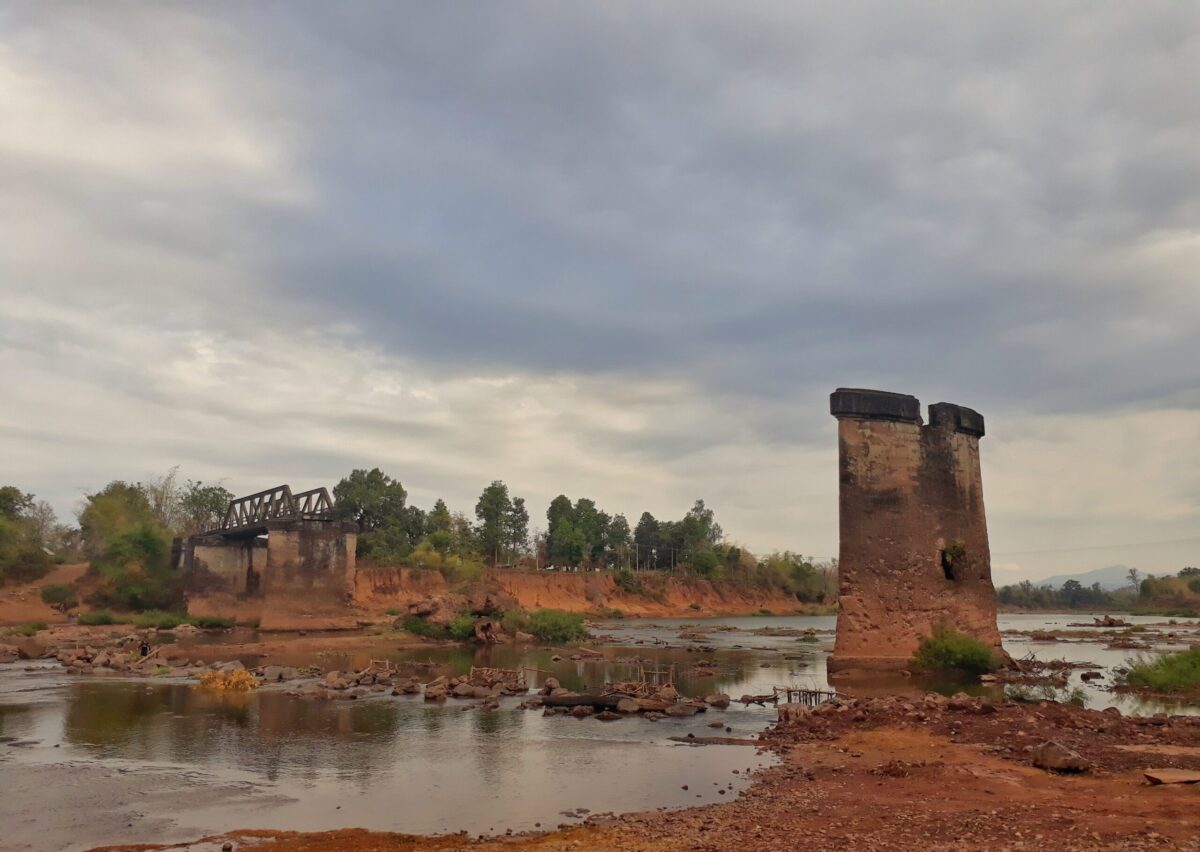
<point>462,626</point>
<point>59,596</point>
<point>1179,672</point>
<point>420,627</point>
<point>948,649</point>
<point>627,582</point>
<point>32,628</point>
<point>159,619</point>
<point>552,625</point>
<point>513,621</point>
<point>214,622</point>
<point>100,616</point>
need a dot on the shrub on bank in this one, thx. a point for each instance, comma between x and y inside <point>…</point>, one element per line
<point>462,626</point>
<point>158,618</point>
<point>1179,672</point>
<point>59,596</point>
<point>422,627</point>
<point>552,625</point>
<point>97,617</point>
<point>948,650</point>
<point>32,628</point>
<point>215,622</point>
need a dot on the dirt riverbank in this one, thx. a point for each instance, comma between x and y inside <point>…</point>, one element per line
<point>878,774</point>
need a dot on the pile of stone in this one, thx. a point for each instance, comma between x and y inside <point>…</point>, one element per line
<point>483,687</point>
<point>349,686</point>
<point>610,706</point>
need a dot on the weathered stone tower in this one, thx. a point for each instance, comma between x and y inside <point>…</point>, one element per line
<point>914,543</point>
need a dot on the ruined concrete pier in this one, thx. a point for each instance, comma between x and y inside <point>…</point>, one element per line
<point>914,546</point>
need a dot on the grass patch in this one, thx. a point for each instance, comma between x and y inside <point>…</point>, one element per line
<point>1179,672</point>
<point>949,650</point>
<point>214,622</point>
<point>418,626</point>
<point>811,640</point>
<point>158,618</point>
<point>96,618</point>
<point>162,670</point>
<point>552,625</point>
<point>32,628</point>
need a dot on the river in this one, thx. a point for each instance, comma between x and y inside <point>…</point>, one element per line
<point>90,760</point>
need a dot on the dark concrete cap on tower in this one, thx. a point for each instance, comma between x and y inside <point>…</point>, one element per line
<point>874,405</point>
<point>963,419</point>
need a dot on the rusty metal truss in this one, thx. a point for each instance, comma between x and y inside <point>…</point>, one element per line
<point>276,504</point>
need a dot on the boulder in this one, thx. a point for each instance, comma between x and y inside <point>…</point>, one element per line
<point>435,692</point>
<point>608,716</point>
<point>628,705</point>
<point>273,674</point>
<point>30,649</point>
<point>717,699</point>
<point>680,711</point>
<point>552,684</point>
<point>668,693</point>
<point>580,711</point>
<point>463,690</point>
<point>1056,757</point>
<point>8,653</point>
<point>232,666</point>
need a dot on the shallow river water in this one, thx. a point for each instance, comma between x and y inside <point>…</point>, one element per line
<point>93,760</point>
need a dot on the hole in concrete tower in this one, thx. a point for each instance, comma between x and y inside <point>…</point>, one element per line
<point>948,565</point>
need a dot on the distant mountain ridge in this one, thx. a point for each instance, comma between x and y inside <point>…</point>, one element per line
<point>1109,577</point>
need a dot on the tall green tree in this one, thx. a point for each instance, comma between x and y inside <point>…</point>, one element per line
<point>388,531</point>
<point>201,507</point>
<point>518,526</point>
<point>493,511</point>
<point>129,548</point>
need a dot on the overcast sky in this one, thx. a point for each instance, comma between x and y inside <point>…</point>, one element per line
<point>616,250</point>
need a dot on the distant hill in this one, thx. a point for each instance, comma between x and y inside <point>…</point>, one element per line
<point>1110,577</point>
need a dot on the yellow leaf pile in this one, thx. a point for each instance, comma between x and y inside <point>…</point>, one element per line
<point>239,681</point>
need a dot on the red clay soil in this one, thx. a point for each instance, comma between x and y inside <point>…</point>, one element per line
<point>23,604</point>
<point>889,773</point>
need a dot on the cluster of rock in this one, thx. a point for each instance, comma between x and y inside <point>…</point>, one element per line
<point>610,706</point>
<point>349,686</point>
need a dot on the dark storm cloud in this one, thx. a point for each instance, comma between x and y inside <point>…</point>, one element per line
<point>622,249</point>
<point>761,202</point>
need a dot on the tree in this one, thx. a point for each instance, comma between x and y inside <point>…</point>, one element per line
<point>1072,590</point>
<point>618,538</point>
<point>370,497</point>
<point>113,511</point>
<point>646,538</point>
<point>1135,578</point>
<point>493,510</point>
<point>201,507</point>
<point>162,493</point>
<point>518,526</point>
<point>438,518</point>
<point>569,543</point>
<point>129,549</point>
<point>377,503</point>
<point>14,503</point>
<point>1189,571</point>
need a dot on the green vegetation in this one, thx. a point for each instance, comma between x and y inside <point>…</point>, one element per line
<point>1178,672</point>
<point>129,548</point>
<point>462,626</point>
<point>552,625</point>
<point>159,619</point>
<point>23,536</point>
<point>59,596</point>
<point>418,626</point>
<point>1177,595</point>
<point>162,670</point>
<point>948,650</point>
<point>97,617</point>
<point>32,628</point>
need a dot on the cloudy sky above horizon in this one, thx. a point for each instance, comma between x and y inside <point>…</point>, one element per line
<point>618,250</point>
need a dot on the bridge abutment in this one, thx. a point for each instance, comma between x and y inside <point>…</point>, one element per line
<point>283,572</point>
